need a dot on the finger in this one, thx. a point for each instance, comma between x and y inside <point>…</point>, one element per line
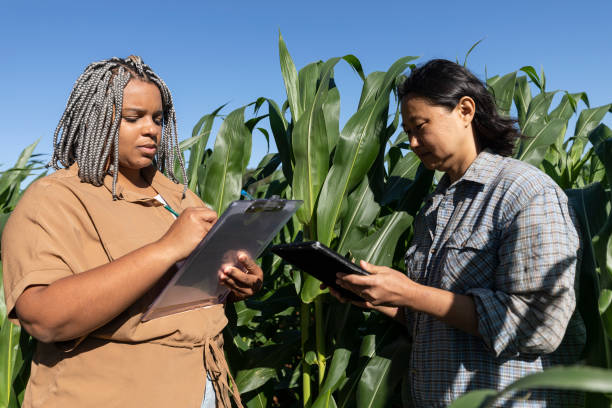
<point>337,295</point>
<point>250,265</point>
<point>373,269</point>
<point>367,305</point>
<point>202,213</point>
<point>354,279</point>
<point>238,277</point>
<point>208,215</point>
<point>244,280</point>
<point>358,290</point>
<point>232,285</point>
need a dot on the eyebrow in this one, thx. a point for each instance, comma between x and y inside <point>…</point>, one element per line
<point>140,111</point>
<point>413,118</point>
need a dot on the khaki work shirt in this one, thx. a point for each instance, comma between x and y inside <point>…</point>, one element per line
<point>62,227</point>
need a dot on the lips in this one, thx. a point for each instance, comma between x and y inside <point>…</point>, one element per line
<point>148,149</point>
<point>421,153</point>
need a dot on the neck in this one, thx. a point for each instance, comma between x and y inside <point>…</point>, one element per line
<point>132,179</point>
<point>460,168</point>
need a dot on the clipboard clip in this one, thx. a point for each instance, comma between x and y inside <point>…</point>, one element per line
<point>272,204</point>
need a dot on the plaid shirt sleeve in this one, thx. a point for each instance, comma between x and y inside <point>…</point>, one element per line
<point>533,300</point>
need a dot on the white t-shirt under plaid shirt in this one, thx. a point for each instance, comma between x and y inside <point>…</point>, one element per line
<point>503,234</point>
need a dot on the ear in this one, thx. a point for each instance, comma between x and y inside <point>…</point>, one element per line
<point>466,109</point>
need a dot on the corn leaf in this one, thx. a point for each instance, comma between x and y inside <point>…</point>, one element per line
<point>381,375</point>
<point>537,113</point>
<point>502,89</point>
<point>401,176</point>
<point>587,121</point>
<point>311,148</point>
<point>290,78</point>
<point>200,134</point>
<point>282,137</point>
<point>258,401</point>
<point>361,213</point>
<point>335,375</point>
<point>331,113</point>
<point>589,205</point>
<point>371,85</point>
<point>357,149</point>
<point>570,378</point>
<point>522,98</point>
<point>533,149</point>
<point>379,247</point>
<point>9,351</point>
<point>226,165</point>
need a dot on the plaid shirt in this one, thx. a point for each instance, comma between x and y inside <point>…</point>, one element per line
<point>502,234</point>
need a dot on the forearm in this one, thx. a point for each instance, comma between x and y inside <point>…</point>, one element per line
<point>456,310</point>
<point>78,304</point>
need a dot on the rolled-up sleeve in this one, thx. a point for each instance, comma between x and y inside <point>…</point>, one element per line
<point>532,299</point>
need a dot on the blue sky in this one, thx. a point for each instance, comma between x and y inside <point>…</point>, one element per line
<point>210,53</point>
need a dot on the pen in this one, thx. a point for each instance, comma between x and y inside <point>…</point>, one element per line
<point>167,207</point>
<point>247,195</point>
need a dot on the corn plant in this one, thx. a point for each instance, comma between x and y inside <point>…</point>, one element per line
<point>294,345</point>
<point>361,203</point>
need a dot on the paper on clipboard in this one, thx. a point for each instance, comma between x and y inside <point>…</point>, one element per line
<point>245,226</point>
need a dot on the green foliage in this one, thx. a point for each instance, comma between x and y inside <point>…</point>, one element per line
<point>294,345</point>
<point>573,378</point>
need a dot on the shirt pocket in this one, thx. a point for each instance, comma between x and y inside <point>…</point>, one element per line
<point>416,262</point>
<point>470,260</point>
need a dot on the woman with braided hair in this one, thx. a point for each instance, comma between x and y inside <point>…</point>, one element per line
<point>90,246</point>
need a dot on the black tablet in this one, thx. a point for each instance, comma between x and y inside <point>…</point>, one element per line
<point>321,262</point>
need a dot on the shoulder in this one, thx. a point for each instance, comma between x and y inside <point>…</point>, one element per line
<point>520,187</point>
<point>521,181</point>
<point>55,195</point>
<point>53,189</point>
<point>46,190</point>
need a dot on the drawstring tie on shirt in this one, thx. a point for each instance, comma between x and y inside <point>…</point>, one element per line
<point>218,370</point>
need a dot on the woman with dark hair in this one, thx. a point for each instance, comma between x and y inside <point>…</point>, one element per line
<point>89,247</point>
<point>489,292</point>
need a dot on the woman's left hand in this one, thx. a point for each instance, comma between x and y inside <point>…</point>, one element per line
<point>383,287</point>
<point>243,279</point>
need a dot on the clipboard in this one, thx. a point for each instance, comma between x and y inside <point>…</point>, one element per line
<point>245,226</point>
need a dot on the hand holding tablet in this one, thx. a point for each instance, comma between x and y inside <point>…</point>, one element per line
<point>321,262</point>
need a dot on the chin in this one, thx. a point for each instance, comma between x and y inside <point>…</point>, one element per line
<point>137,165</point>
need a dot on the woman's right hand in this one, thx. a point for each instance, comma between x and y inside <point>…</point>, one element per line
<point>187,231</point>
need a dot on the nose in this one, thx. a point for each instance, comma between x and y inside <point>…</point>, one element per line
<point>149,127</point>
<point>413,140</point>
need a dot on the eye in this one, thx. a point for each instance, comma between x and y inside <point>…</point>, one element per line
<point>420,125</point>
<point>159,120</point>
<point>130,119</point>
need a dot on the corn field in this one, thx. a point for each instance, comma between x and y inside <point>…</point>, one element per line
<point>293,345</point>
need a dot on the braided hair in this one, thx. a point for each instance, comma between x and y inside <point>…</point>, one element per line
<point>89,127</point>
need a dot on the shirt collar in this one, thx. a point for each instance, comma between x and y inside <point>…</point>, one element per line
<point>483,168</point>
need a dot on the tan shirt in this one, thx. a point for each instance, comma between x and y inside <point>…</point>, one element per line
<point>62,227</point>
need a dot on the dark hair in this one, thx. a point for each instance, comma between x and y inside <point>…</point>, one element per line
<point>444,83</point>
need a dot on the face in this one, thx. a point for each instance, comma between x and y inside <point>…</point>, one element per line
<point>442,139</point>
<point>141,125</point>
